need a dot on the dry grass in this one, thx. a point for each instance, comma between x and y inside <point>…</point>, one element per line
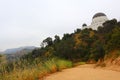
<point>36,71</point>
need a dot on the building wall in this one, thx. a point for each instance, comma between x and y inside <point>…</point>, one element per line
<point>96,22</point>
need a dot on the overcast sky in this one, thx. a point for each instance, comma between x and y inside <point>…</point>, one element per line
<point>28,22</point>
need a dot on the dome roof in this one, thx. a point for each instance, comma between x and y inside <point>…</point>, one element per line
<point>98,15</point>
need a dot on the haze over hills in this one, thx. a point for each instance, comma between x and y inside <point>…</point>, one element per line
<point>15,50</point>
<point>16,53</point>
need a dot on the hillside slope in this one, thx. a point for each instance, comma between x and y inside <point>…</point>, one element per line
<point>83,45</point>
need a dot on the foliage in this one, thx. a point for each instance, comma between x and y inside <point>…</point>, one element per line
<point>80,47</point>
<point>114,41</point>
<point>33,72</point>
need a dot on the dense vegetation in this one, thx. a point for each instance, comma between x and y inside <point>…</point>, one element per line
<point>55,54</point>
<point>82,45</point>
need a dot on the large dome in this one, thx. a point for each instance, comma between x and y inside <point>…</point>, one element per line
<point>98,15</point>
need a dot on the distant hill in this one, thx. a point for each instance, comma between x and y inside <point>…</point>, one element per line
<point>15,53</point>
<point>15,50</point>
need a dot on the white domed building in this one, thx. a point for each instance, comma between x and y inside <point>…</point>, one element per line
<point>97,20</point>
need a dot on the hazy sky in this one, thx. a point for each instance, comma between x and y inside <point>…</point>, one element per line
<point>28,22</point>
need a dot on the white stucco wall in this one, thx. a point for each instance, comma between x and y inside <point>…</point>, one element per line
<point>96,22</point>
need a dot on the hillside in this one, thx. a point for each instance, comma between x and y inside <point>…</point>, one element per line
<point>18,54</point>
<point>83,45</point>
<point>15,53</point>
<point>101,47</point>
<point>15,50</point>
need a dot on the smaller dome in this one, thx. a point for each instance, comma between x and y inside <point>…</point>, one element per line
<point>98,15</point>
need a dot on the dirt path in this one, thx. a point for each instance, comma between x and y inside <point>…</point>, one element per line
<point>84,72</point>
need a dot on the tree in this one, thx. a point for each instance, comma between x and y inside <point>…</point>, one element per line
<point>77,31</point>
<point>66,36</point>
<point>109,25</point>
<point>48,41</point>
<point>57,39</point>
<point>114,41</point>
<point>97,51</point>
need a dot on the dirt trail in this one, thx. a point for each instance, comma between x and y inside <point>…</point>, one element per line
<point>85,72</point>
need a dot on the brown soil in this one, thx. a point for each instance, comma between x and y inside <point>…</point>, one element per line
<point>85,72</point>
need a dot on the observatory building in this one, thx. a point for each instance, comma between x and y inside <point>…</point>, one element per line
<point>97,20</point>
